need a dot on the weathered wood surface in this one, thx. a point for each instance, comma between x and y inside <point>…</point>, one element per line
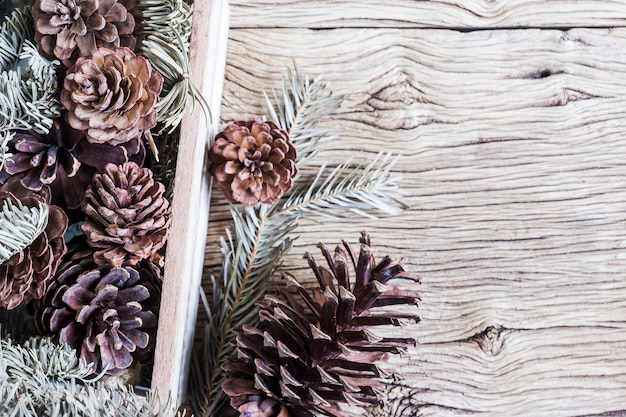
<point>512,145</point>
<point>190,206</point>
<point>467,14</point>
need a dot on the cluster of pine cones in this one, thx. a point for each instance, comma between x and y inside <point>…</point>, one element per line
<point>90,172</point>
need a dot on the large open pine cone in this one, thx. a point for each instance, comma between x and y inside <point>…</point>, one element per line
<point>108,314</point>
<point>302,366</point>
<point>127,218</point>
<point>253,161</point>
<point>67,29</point>
<point>64,160</point>
<point>111,95</point>
<point>25,275</point>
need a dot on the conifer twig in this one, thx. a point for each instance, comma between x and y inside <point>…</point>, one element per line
<point>260,237</point>
<point>28,84</point>
<point>168,33</point>
<point>42,378</point>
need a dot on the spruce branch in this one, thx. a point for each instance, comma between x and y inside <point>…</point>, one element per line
<point>252,254</point>
<point>348,190</point>
<point>303,103</point>
<point>42,378</point>
<point>255,246</point>
<point>28,84</point>
<point>19,227</point>
<point>168,33</point>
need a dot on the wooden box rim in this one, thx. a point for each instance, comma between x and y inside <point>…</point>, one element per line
<point>184,257</point>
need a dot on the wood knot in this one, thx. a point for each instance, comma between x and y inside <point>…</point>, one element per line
<point>491,340</point>
<point>402,93</point>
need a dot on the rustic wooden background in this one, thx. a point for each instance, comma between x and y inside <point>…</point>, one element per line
<point>510,119</point>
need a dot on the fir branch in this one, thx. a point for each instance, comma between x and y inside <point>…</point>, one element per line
<point>260,237</point>
<point>348,190</point>
<point>168,32</point>
<point>41,378</point>
<point>252,254</point>
<point>303,103</point>
<point>19,227</point>
<point>28,84</point>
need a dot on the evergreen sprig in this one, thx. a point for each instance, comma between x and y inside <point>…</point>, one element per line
<point>304,103</point>
<point>348,190</point>
<point>260,237</point>
<point>19,227</point>
<point>42,378</point>
<point>28,84</point>
<point>168,33</point>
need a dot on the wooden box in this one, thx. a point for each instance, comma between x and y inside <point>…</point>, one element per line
<point>190,204</point>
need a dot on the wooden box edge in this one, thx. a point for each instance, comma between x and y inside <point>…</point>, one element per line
<point>190,205</point>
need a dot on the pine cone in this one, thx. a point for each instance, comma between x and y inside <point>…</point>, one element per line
<point>67,29</point>
<point>294,365</point>
<point>112,95</point>
<point>108,314</point>
<point>64,160</point>
<point>26,274</point>
<point>126,212</point>
<point>253,161</point>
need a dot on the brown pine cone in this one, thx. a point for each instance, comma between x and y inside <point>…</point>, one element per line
<point>296,365</point>
<point>64,160</point>
<point>127,218</point>
<point>111,95</point>
<point>68,29</point>
<point>253,161</point>
<point>108,314</point>
<point>26,274</point>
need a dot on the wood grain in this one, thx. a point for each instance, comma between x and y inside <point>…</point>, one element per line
<point>466,14</point>
<point>190,208</point>
<point>512,145</point>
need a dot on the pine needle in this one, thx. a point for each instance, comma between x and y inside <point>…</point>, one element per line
<point>303,103</point>
<point>42,378</point>
<point>28,84</point>
<point>168,33</point>
<point>5,138</point>
<point>348,190</point>
<point>252,254</point>
<point>19,227</point>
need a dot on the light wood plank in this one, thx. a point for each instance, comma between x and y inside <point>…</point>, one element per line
<point>190,206</point>
<point>468,14</point>
<point>512,147</point>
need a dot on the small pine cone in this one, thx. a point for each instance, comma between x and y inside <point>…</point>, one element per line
<point>112,95</point>
<point>296,365</point>
<point>25,275</point>
<point>127,218</point>
<point>64,160</point>
<point>108,314</point>
<point>67,29</point>
<point>253,161</point>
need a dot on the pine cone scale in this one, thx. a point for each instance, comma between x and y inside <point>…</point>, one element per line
<point>77,297</point>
